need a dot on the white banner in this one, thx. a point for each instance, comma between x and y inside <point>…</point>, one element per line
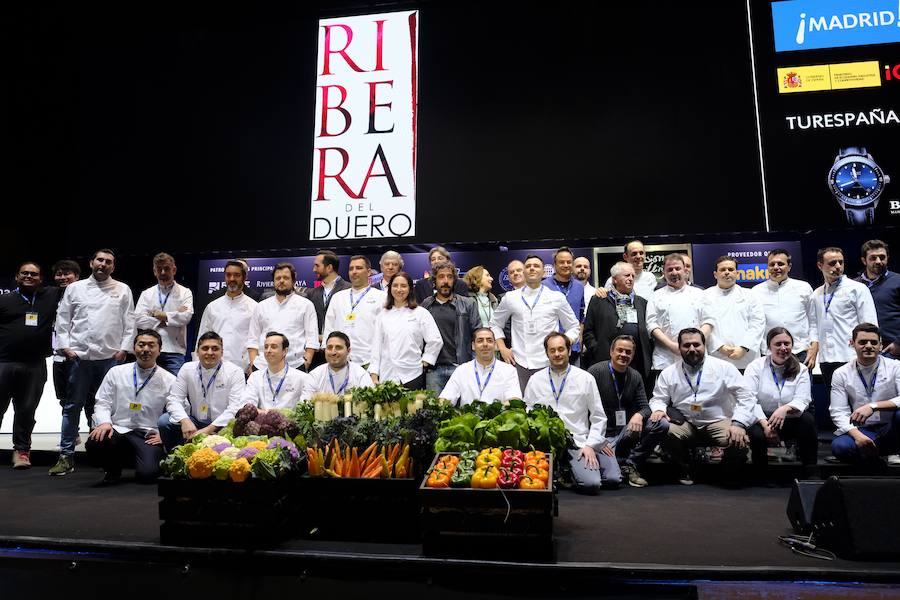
<point>364,157</point>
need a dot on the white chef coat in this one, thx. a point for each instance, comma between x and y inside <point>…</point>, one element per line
<point>96,319</point>
<point>789,304</point>
<point>403,339</point>
<point>230,318</point>
<point>849,393</point>
<point>354,375</point>
<point>174,332</point>
<point>354,313</point>
<point>118,404</point>
<point>739,321</point>
<point>671,311</point>
<point>295,318</point>
<point>768,395</point>
<point>579,405</point>
<point>224,396</point>
<point>498,381</point>
<point>297,387</point>
<point>545,312</point>
<point>720,394</point>
<point>850,305</point>
<point>644,284</point>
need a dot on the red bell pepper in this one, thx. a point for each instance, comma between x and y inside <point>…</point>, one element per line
<point>508,478</point>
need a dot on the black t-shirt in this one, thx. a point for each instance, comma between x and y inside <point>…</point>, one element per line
<point>445,317</point>
<point>26,343</point>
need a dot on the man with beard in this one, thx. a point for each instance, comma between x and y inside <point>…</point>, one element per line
<point>166,308</point>
<point>456,318</point>
<point>130,402</point>
<point>581,267</point>
<point>325,269</point>
<point>338,375</point>
<point>229,316</point>
<point>94,330</point>
<point>706,401</point>
<point>884,286</point>
<point>288,313</point>
<point>485,378</point>
<point>424,287</point>
<point>354,311</point>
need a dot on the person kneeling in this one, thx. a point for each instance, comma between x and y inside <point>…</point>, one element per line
<point>130,401</point>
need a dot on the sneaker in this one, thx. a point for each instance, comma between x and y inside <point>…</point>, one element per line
<point>685,478</point>
<point>63,466</point>
<point>893,459</point>
<point>111,477</point>
<point>21,459</point>
<point>634,477</point>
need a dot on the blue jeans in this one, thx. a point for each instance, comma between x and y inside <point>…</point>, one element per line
<point>885,435</point>
<point>636,450</point>
<point>171,362</point>
<point>171,432</point>
<point>438,376</point>
<point>85,378</point>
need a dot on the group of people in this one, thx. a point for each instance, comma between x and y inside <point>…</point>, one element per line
<point>630,367</point>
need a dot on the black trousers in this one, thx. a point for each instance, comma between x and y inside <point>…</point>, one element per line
<point>416,384</point>
<point>124,449</point>
<point>802,429</point>
<point>828,370</point>
<point>23,384</point>
<point>61,372</point>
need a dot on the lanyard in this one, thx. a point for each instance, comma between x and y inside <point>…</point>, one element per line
<point>487,379</point>
<point>343,387</point>
<point>562,386</point>
<point>778,385</point>
<point>826,298</point>
<point>693,388</point>
<point>870,388</point>
<point>30,302</point>
<point>137,390</point>
<point>612,374</point>
<point>280,383</point>
<point>326,294</point>
<point>353,304</point>
<point>536,300</point>
<point>205,389</point>
<point>163,299</point>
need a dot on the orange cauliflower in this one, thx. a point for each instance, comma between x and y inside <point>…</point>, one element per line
<point>258,444</point>
<point>239,470</point>
<point>200,464</point>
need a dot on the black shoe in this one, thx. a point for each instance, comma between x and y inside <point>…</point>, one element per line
<point>111,477</point>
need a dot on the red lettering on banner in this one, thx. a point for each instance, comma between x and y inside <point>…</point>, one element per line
<point>379,155</point>
<point>373,105</point>
<point>323,132</point>
<point>345,157</point>
<point>328,51</point>
<point>379,45</point>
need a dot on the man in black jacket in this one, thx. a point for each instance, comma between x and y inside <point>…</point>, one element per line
<point>625,403</point>
<point>622,312</point>
<point>325,268</point>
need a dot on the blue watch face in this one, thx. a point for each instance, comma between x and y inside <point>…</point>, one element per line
<point>856,181</point>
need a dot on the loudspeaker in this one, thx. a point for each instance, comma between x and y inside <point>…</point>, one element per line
<point>858,517</point>
<point>800,505</point>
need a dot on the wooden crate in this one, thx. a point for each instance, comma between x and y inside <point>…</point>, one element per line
<point>209,512</point>
<point>494,523</point>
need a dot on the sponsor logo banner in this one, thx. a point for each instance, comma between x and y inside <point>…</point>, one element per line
<point>814,24</point>
<point>816,78</point>
<point>751,257</point>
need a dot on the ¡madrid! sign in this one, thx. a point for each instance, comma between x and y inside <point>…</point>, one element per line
<point>364,157</point>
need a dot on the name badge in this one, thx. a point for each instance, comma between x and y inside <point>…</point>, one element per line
<point>136,406</point>
<point>620,418</point>
<point>31,319</point>
<point>530,327</point>
<point>696,409</point>
<point>631,315</point>
<point>204,410</point>
<point>350,317</point>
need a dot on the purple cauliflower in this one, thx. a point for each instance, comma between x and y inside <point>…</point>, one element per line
<point>272,423</point>
<point>248,453</point>
<point>283,443</point>
<point>247,414</point>
<point>252,428</point>
<point>221,446</point>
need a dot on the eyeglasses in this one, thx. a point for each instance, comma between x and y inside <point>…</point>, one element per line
<point>868,342</point>
<point>33,274</point>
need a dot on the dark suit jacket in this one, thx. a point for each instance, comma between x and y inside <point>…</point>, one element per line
<point>317,296</point>
<point>634,398</point>
<point>600,329</point>
<point>425,289</point>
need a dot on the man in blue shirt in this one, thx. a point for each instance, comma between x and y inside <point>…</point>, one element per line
<point>885,288</point>
<point>563,282</point>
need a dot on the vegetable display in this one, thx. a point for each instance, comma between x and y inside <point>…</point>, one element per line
<point>389,462</point>
<point>235,459</point>
<point>491,468</point>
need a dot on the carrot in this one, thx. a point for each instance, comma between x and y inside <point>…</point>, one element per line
<point>373,471</point>
<point>367,452</point>
<point>395,450</point>
<point>354,463</point>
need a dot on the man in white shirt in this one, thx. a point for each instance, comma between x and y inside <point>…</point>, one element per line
<point>739,318</point>
<point>841,304</point>
<point>644,281</point>
<point>673,308</point>
<point>484,378</point>
<point>789,303</point>
<point>94,330</point>
<point>582,272</point>
<point>705,401</point>
<point>286,312</point>
<point>166,308</point>
<point>390,264</point>
<point>277,385</point>
<point>229,316</point>
<point>535,311</point>
<point>338,375</point>
<point>205,396</point>
<point>129,403</point>
<point>865,396</point>
<point>573,393</point>
<point>354,311</point>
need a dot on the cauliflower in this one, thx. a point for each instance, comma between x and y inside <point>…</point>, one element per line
<point>220,470</point>
<point>239,470</point>
<point>200,464</point>
<point>240,441</point>
<point>230,452</point>
<point>283,443</point>
<point>220,447</point>
<point>211,441</point>
<point>259,445</point>
<point>246,415</point>
<point>248,453</point>
<point>252,428</point>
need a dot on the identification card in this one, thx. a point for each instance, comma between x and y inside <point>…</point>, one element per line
<point>530,327</point>
<point>350,317</point>
<point>696,409</point>
<point>204,410</point>
<point>31,319</point>
<point>136,406</point>
<point>620,418</point>
<point>631,315</point>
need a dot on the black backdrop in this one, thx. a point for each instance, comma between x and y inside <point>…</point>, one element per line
<point>188,127</point>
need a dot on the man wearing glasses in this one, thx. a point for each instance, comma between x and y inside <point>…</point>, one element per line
<point>26,325</point>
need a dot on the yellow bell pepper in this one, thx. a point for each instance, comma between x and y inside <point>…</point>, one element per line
<point>486,477</point>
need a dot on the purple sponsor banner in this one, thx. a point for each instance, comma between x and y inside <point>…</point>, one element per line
<point>751,260</point>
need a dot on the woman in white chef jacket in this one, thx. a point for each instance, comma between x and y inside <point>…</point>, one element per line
<point>780,385</point>
<point>406,340</point>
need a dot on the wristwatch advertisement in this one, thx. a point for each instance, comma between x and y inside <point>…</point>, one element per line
<point>857,183</point>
